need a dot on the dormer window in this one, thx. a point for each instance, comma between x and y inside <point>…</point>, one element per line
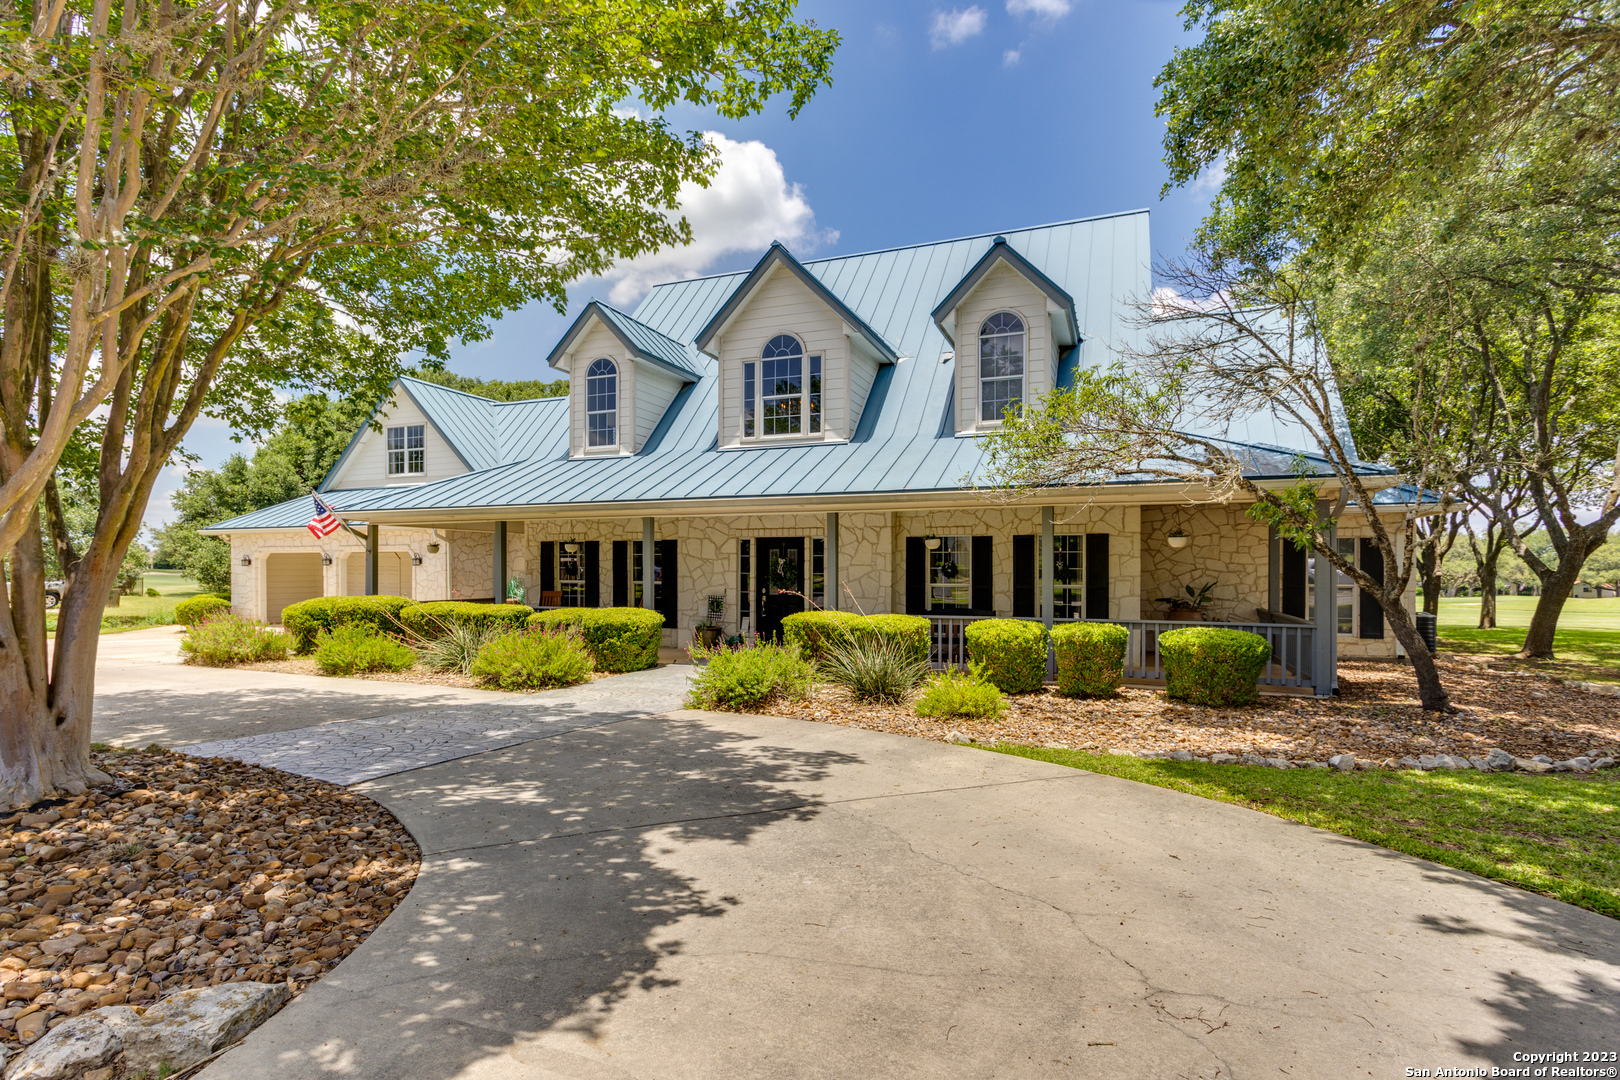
<point>782,392</point>
<point>1001,365</point>
<point>407,449</point>
<point>602,403</point>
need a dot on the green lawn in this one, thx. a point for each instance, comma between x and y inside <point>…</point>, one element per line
<point>1558,836</point>
<point>1587,645</point>
<point>135,612</point>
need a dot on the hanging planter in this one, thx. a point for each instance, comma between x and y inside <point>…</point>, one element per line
<point>571,546</point>
<point>931,543</point>
<point>1179,539</point>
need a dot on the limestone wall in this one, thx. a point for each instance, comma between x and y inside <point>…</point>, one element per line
<point>1001,523</point>
<point>429,581</point>
<point>1226,546</point>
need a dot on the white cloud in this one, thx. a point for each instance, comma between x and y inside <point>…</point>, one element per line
<point>956,26</point>
<point>748,204</point>
<point>1042,9</point>
<point>1011,57</point>
<point>1207,184</point>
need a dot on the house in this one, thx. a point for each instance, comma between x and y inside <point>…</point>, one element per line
<point>812,428</point>
<point>1593,590</point>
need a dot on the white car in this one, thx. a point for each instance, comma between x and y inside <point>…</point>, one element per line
<point>53,593</point>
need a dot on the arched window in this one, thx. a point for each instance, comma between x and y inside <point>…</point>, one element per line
<point>1001,365</point>
<point>602,403</point>
<point>785,393</point>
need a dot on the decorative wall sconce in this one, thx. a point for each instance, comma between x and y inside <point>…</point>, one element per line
<point>416,560</point>
<point>247,560</point>
<point>326,558</point>
<point>571,546</point>
<point>433,549</point>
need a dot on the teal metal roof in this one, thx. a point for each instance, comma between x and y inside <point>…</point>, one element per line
<point>1001,251</point>
<point>905,441</point>
<point>681,360</point>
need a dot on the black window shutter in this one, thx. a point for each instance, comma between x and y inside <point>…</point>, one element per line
<point>621,573</point>
<point>1096,575</point>
<point>984,575</point>
<point>593,573</point>
<point>548,567</point>
<point>1024,576</point>
<point>665,594</point>
<point>1293,579</point>
<point>916,576</point>
<point>1372,616</point>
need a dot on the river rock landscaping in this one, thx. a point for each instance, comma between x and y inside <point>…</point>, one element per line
<point>1376,719</point>
<point>185,875</point>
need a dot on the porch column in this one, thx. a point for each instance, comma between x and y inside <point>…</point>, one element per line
<point>647,552</point>
<point>830,595</point>
<point>371,558</point>
<point>1326,665</point>
<point>1048,565</point>
<point>499,562</point>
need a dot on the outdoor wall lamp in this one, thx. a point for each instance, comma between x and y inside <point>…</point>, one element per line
<point>247,560</point>
<point>416,560</point>
<point>326,559</point>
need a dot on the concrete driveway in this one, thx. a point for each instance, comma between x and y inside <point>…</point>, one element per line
<point>712,895</point>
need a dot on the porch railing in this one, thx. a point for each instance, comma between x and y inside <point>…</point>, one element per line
<point>1292,661</point>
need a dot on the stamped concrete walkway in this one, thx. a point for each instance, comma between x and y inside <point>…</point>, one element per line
<point>711,895</point>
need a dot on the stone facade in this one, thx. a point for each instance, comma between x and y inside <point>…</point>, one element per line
<point>1226,546</point>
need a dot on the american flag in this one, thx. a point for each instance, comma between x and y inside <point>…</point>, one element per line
<point>325,523</point>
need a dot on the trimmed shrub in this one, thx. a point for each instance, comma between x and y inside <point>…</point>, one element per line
<point>956,693</point>
<point>533,660</point>
<point>306,619</point>
<point>618,638</point>
<point>875,669</point>
<point>457,647</point>
<point>226,639</point>
<point>354,649</point>
<point>152,592</point>
<point>815,632</point>
<point>197,608</point>
<point>1212,666</point>
<point>1090,658</point>
<point>433,617</point>
<point>750,677</point>
<point>1011,653</point>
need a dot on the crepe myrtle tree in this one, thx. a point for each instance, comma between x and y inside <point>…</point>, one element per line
<point>207,200</point>
<point>1252,347</point>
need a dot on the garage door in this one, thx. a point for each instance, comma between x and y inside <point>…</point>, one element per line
<point>290,577</point>
<point>393,574</point>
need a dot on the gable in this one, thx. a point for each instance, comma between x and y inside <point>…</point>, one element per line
<point>365,463</point>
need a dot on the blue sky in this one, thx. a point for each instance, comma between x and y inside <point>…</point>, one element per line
<point>943,120</point>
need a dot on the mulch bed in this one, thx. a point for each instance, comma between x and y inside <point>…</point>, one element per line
<point>1376,717</point>
<point>187,872</point>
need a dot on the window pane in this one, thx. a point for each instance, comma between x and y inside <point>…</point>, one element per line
<point>950,572</point>
<point>998,395</point>
<point>396,438</point>
<point>818,571</point>
<point>744,551</point>
<point>1346,589</point>
<point>416,461</point>
<point>602,403</point>
<point>416,437</point>
<point>748,400</point>
<point>571,576</point>
<point>782,386</point>
<point>815,394</point>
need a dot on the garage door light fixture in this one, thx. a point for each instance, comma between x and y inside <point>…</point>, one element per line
<point>247,560</point>
<point>326,558</point>
<point>416,560</point>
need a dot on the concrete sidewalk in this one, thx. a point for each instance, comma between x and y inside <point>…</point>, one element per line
<point>712,895</point>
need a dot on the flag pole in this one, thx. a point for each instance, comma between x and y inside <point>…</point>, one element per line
<point>350,529</point>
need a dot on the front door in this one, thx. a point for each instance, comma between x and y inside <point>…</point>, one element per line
<point>781,582</point>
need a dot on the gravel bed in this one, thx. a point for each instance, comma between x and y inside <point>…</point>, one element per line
<point>1376,717</point>
<point>186,872</point>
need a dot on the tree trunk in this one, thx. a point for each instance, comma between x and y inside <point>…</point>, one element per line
<point>1430,692</point>
<point>1487,585</point>
<point>1555,591</point>
<point>45,707</point>
<point>1429,575</point>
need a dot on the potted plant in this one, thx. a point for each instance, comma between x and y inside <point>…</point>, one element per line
<point>707,633</point>
<point>514,591</point>
<point>1178,538</point>
<point>1188,608</point>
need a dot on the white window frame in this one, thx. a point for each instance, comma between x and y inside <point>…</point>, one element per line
<point>1343,587</point>
<point>1022,378</point>
<point>1069,551</point>
<point>611,412</point>
<point>410,455</point>
<point>810,410</point>
<point>570,590</point>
